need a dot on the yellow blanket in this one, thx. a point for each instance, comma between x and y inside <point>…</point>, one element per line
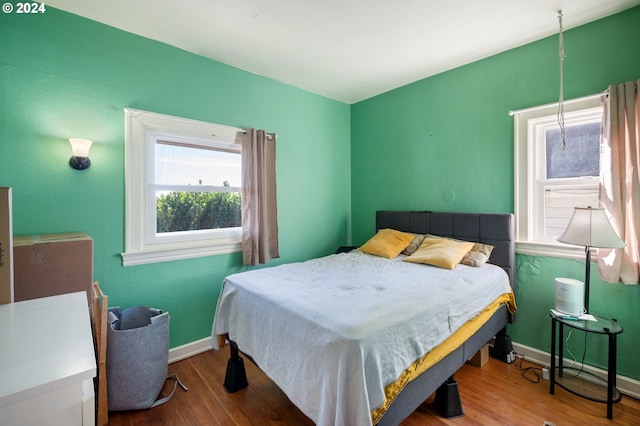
<point>439,352</point>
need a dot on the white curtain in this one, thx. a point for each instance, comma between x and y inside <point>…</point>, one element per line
<point>620,181</point>
<point>259,212</point>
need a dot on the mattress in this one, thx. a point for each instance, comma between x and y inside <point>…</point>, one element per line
<point>335,332</point>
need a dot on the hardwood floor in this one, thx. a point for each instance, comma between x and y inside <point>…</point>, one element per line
<point>496,394</point>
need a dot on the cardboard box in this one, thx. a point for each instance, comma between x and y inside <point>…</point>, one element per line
<point>481,357</point>
<point>6,247</point>
<point>48,265</point>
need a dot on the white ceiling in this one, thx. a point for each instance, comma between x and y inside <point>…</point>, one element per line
<point>347,50</point>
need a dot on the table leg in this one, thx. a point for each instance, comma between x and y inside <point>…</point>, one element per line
<point>611,374</point>
<point>552,371</point>
<point>560,347</point>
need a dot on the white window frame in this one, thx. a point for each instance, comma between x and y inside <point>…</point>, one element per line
<point>528,187</point>
<point>142,244</point>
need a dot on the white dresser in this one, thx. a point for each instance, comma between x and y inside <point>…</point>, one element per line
<point>47,362</point>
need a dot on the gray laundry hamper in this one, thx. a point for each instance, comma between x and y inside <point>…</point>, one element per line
<point>137,357</point>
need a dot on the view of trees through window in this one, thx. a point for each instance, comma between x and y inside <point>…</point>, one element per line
<point>190,211</point>
<point>183,188</point>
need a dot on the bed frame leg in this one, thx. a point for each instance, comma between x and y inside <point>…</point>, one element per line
<point>236,377</point>
<point>447,401</point>
<point>502,347</point>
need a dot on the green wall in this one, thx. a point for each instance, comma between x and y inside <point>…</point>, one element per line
<point>413,147</point>
<point>64,76</point>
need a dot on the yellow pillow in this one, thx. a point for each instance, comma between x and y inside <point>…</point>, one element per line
<point>440,252</point>
<point>476,257</point>
<point>387,243</point>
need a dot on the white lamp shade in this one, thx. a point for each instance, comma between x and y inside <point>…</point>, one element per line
<point>590,227</point>
<point>80,147</point>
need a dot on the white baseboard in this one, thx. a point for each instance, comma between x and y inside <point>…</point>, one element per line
<point>625,385</point>
<point>190,349</point>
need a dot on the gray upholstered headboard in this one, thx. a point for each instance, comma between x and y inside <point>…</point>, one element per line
<point>497,229</point>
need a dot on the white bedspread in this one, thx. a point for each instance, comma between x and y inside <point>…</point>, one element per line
<point>333,332</point>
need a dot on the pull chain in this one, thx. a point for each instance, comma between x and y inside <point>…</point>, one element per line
<point>563,132</point>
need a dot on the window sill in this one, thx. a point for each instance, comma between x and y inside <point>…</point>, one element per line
<point>170,254</point>
<point>553,250</point>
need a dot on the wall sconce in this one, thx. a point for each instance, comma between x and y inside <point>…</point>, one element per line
<point>80,148</point>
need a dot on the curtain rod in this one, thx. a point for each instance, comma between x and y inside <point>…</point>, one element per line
<point>269,135</point>
<point>584,98</point>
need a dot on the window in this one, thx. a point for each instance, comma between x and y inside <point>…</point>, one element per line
<point>185,206</point>
<point>549,181</point>
<point>183,188</point>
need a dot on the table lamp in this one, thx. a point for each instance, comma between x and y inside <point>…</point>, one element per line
<point>590,227</point>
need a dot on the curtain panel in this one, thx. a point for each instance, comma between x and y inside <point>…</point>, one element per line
<point>259,211</point>
<point>620,181</point>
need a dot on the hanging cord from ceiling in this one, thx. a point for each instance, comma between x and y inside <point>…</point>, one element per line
<point>563,132</point>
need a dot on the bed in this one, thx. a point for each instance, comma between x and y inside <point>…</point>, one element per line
<point>343,336</point>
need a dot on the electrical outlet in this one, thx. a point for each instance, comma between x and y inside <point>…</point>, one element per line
<point>545,373</point>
